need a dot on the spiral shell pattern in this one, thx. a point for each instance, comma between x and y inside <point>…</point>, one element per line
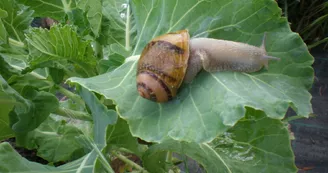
<point>162,66</point>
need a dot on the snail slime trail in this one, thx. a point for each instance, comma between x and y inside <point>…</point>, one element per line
<point>173,58</point>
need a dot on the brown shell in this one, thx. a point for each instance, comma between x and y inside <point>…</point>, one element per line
<point>162,66</point>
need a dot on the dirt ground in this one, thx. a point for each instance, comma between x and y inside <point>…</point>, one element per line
<point>311,144</point>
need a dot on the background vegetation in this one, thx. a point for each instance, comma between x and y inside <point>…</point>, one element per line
<point>309,19</point>
<point>99,122</point>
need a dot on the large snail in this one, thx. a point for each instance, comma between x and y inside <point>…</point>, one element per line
<point>173,58</point>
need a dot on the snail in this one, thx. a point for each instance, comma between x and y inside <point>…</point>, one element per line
<point>173,58</point>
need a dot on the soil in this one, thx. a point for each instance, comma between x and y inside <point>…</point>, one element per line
<point>311,144</point>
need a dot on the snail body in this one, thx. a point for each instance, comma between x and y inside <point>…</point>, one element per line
<point>173,58</point>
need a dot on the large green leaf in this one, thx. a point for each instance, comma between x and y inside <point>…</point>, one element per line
<point>213,102</point>
<point>31,108</point>
<point>55,9</point>
<point>19,82</point>
<point>57,75</point>
<point>3,13</point>
<point>7,103</point>
<point>116,24</point>
<point>119,136</point>
<point>15,56</point>
<point>11,161</point>
<point>93,12</point>
<point>14,62</point>
<point>112,63</point>
<point>11,71</point>
<point>62,48</point>
<point>51,139</point>
<point>3,32</point>
<point>255,144</point>
<point>79,19</point>
<point>58,9</point>
<point>102,117</point>
<point>6,70</point>
<point>18,19</point>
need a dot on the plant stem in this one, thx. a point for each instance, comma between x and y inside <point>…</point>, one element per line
<point>296,117</point>
<point>168,157</point>
<point>73,114</point>
<point>102,158</point>
<point>16,43</point>
<point>129,162</point>
<point>286,9</point>
<point>36,75</point>
<point>127,28</point>
<point>67,7</point>
<point>125,150</point>
<point>70,95</point>
<point>317,43</point>
<point>99,50</point>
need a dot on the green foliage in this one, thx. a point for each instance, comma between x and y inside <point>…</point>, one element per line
<point>6,70</point>
<point>252,145</point>
<point>309,19</point>
<point>213,102</point>
<point>119,136</point>
<point>55,9</point>
<point>112,63</point>
<point>11,161</point>
<point>3,32</point>
<point>57,75</point>
<point>62,48</point>
<point>227,121</point>
<point>94,14</point>
<point>14,22</point>
<point>7,103</point>
<point>31,109</point>
<point>115,25</point>
<point>102,117</point>
<point>51,139</point>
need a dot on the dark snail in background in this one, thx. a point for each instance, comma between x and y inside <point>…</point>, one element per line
<point>173,58</point>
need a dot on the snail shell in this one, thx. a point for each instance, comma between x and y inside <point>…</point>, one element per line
<point>162,66</point>
<point>173,58</point>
